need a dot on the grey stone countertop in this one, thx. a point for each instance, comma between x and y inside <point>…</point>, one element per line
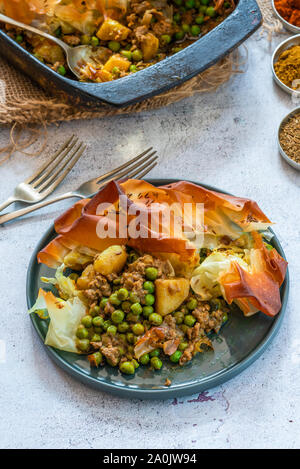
<point>226,139</point>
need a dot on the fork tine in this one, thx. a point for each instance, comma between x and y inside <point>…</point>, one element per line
<point>56,173</point>
<point>52,159</point>
<point>146,171</point>
<point>125,165</point>
<point>132,174</point>
<point>124,173</point>
<point>44,177</point>
<point>76,155</point>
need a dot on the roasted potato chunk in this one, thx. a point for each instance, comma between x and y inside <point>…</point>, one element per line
<point>170,294</point>
<point>112,260</point>
<point>150,45</point>
<point>86,277</point>
<point>111,30</point>
<point>117,61</point>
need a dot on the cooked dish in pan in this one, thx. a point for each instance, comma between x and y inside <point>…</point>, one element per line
<point>128,297</point>
<point>126,35</point>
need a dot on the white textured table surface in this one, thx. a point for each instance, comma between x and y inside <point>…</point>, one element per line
<point>227,139</point>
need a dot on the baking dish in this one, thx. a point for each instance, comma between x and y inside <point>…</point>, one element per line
<point>158,78</point>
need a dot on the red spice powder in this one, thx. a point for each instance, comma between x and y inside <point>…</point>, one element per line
<point>289,10</point>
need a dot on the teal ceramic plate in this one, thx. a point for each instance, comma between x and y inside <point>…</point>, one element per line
<point>240,342</point>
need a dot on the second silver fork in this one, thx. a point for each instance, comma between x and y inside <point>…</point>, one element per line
<point>137,167</point>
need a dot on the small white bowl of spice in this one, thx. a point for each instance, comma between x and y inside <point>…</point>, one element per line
<point>289,138</point>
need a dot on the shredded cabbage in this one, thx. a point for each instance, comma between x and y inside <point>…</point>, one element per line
<point>65,317</point>
<point>205,279</point>
<point>65,285</point>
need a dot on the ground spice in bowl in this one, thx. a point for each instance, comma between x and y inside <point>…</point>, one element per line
<point>289,10</point>
<point>289,137</point>
<point>287,67</point>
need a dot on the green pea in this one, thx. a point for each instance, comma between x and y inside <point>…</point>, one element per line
<point>85,39</point>
<point>147,310</point>
<point>117,316</point>
<point>149,286</point>
<point>184,328</point>
<point>116,71</point>
<point>122,336</point>
<point>149,299</point>
<point>176,17</point>
<point>202,9</point>
<point>135,363</point>
<point>122,294</point>
<point>185,28</point>
<point>189,320</point>
<point>61,70</point>
<point>127,368</point>
<point>103,302</point>
<point>132,68</point>
<point>175,357</point>
<point>127,54</point>
<point>123,327</point>
<point>130,338</point>
<point>112,330</point>
<point>151,273</point>
<point>94,41</point>
<point>144,359</point>
<point>182,346</point>
<point>106,324</point>
<point>94,311</point>
<point>133,297</point>
<point>126,306</point>
<point>179,317</point>
<point>195,30</point>
<point>210,11</point>
<point>98,321</point>
<point>155,319</point>
<point>19,38</point>
<point>114,300</point>
<point>156,363</point>
<point>114,46</point>
<point>199,19</point>
<point>95,359</point>
<point>225,318</point>
<point>204,2</point>
<point>82,332</point>
<point>179,35</point>
<point>87,321</point>
<point>83,345</point>
<point>166,38</point>
<point>155,353</point>
<point>190,4</point>
<point>95,338</point>
<point>192,304</point>
<point>138,329</point>
<point>136,308</point>
<point>137,56</point>
<point>98,330</point>
<point>117,281</point>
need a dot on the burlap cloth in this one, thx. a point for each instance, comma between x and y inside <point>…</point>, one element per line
<point>24,102</point>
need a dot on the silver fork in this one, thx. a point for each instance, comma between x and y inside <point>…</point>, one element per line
<point>43,182</point>
<point>137,167</point>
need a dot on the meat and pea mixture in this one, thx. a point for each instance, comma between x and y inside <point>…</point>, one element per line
<point>139,312</point>
<point>125,39</point>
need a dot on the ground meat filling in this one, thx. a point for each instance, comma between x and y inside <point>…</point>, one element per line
<point>183,332</point>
